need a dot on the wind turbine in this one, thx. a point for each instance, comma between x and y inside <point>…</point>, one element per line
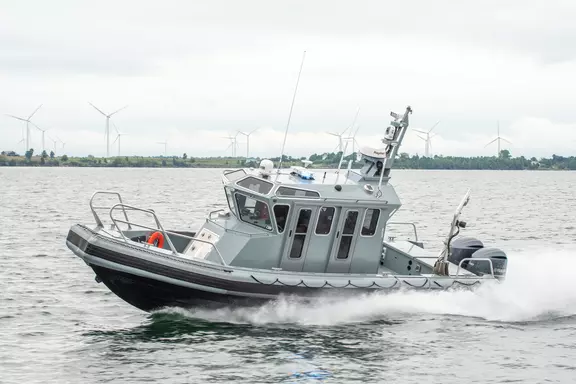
<point>23,139</point>
<point>341,137</point>
<point>107,130</point>
<point>233,143</point>
<point>353,139</point>
<point>43,132</point>
<point>427,139</point>
<point>164,143</point>
<point>248,141</point>
<point>27,125</point>
<point>54,142</point>
<point>497,139</point>
<point>118,136</point>
<point>61,142</point>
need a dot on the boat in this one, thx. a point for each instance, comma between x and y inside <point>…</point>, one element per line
<point>286,232</point>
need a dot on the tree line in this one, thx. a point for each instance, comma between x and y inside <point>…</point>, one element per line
<point>503,162</point>
<point>325,160</point>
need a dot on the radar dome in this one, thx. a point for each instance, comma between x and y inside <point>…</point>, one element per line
<point>266,167</point>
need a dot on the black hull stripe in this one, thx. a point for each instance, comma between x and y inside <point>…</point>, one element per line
<point>179,274</point>
<point>150,294</point>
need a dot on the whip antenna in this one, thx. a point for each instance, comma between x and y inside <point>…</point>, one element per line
<point>290,116</point>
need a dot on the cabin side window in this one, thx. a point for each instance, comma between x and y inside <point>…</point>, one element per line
<point>281,215</point>
<point>300,233</point>
<point>370,222</point>
<point>253,211</point>
<point>286,191</point>
<point>347,235</point>
<point>230,200</point>
<point>325,218</point>
<point>256,185</point>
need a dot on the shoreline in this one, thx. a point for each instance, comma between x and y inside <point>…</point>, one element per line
<point>326,161</point>
<point>210,166</point>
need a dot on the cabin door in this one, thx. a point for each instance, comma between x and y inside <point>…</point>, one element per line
<point>298,237</point>
<point>345,242</point>
<point>322,239</point>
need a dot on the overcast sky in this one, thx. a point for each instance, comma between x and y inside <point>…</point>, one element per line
<point>194,71</point>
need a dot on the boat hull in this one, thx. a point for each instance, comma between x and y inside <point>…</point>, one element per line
<point>150,294</point>
<point>151,279</point>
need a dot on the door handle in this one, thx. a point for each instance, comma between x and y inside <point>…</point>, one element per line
<point>338,234</point>
<point>290,233</point>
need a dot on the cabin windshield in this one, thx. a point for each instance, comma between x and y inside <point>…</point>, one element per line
<point>234,175</point>
<point>256,185</point>
<point>253,211</point>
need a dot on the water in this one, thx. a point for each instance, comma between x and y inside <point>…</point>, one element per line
<point>58,326</point>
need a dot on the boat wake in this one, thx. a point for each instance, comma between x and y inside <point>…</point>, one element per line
<point>539,287</point>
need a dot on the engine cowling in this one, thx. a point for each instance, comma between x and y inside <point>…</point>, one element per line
<point>482,267</point>
<point>472,248</point>
<point>463,248</point>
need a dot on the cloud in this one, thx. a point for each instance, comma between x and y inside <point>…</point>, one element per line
<point>199,69</point>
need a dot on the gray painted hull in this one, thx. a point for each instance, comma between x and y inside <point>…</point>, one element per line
<point>150,278</point>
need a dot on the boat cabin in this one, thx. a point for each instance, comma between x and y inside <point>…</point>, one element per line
<point>301,220</point>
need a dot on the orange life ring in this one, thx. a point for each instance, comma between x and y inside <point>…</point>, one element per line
<point>156,236</point>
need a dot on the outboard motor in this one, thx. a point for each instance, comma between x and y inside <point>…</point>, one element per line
<point>472,248</point>
<point>463,248</point>
<point>482,267</point>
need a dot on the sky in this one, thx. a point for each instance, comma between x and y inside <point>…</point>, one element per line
<point>194,72</point>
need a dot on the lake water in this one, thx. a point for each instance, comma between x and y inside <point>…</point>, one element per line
<point>57,325</point>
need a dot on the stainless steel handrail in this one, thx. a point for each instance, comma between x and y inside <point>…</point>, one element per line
<point>215,211</point>
<point>159,227</point>
<point>476,259</point>
<point>180,235</point>
<point>405,223</point>
<point>93,208</point>
<point>262,234</point>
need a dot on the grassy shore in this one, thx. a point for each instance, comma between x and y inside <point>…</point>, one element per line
<point>331,160</point>
<point>130,162</point>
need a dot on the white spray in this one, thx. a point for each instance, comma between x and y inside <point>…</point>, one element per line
<point>539,286</point>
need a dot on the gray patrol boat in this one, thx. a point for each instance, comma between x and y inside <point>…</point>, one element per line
<point>285,233</point>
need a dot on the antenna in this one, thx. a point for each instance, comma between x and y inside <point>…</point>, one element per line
<point>107,128</point>
<point>346,146</point>
<point>340,164</point>
<point>290,116</point>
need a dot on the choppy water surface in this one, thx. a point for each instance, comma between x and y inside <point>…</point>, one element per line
<point>57,325</point>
